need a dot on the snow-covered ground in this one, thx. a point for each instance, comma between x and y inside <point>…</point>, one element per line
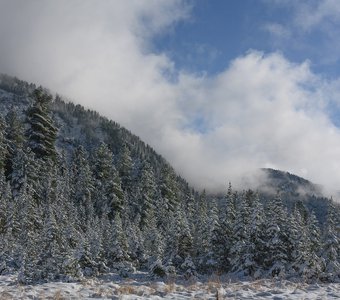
<point>137,287</point>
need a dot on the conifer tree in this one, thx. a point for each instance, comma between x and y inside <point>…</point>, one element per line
<point>300,253</point>
<point>3,150</point>
<point>153,241</point>
<point>255,241</point>
<point>146,194</point>
<point>108,195</point>
<point>222,236</point>
<point>276,238</point>
<point>82,184</point>
<point>240,234</point>
<point>169,189</point>
<point>41,133</point>
<point>331,245</point>
<point>120,245</point>
<point>313,260</point>
<point>178,240</point>
<point>14,139</point>
<point>202,235</point>
<point>125,168</point>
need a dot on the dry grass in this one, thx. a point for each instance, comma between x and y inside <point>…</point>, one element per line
<point>170,288</point>
<point>127,290</point>
<point>213,283</point>
<point>192,287</point>
<point>86,282</point>
<point>58,296</point>
<point>6,296</point>
<point>259,285</point>
<point>135,290</point>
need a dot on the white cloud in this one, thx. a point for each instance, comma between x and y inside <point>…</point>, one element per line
<point>311,14</point>
<point>277,30</point>
<point>261,111</point>
<point>307,27</point>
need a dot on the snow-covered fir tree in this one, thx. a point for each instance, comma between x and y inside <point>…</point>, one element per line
<point>80,196</point>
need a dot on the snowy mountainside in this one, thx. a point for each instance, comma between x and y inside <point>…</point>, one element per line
<point>76,125</point>
<point>289,183</point>
<point>81,196</point>
<point>79,126</point>
<point>295,190</point>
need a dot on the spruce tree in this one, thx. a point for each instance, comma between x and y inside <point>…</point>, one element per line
<point>82,185</point>
<point>108,195</point>
<point>14,139</point>
<point>146,194</point>
<point>41,133</point>
<point>276,238</point>
<point>255,241</point>
<point>125,165</point>
<point>240,233</point>
<point>331,245</point>
<point>3,150</point>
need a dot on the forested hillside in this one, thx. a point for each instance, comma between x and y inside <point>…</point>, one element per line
<point>81,196</point>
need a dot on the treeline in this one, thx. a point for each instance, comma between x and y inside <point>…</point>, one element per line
<point>84,207</point>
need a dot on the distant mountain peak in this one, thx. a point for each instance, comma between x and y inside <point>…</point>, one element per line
<point>283,181</point>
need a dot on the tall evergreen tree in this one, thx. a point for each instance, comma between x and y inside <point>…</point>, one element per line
<point>276,238</point>
<point>108,195</point>
<point>41,133</point>
<point>145,198</point>
<point>82,184</point>
<point>3,150</point>
<point>222,238</point>
<point>331,245</point>
<point>125,168</point>
<point>14,138</point>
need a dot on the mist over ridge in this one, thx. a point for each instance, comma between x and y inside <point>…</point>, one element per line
<point>262,110</point>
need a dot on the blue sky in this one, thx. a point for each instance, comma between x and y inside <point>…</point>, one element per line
<point>215,33</point>
<point>220,88</point>
<point>218,31</point>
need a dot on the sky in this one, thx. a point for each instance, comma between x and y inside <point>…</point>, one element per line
<point>219,88</point>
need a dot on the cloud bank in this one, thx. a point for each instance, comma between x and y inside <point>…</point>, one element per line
<point>311,27</point>
<point>261,111</point>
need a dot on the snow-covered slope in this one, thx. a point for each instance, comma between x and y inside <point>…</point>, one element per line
<point>90,198</point>
<point>113,287</point>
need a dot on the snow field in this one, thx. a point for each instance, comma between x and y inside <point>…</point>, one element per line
<point>113,287</point>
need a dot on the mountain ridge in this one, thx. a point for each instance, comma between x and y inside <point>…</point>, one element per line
<point>94,198</point>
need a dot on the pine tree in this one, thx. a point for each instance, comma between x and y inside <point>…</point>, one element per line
<point>146,194</point>
<point>276,238</point>
<point>331,246</point>
<point>125,168</point>
<point>50,256</point>
<point>108,195</point>
<point>41,133</point>
<point>189,269</point>
<point>82,185</point>
<point>135,242</point>
<point>313,262</point>
<point>222,235</point>
<point>18,176</point>
<point>240,234</point>
<point>169,190</point>
<point>178,240</point>
<point>154,243</point>
<point>202,234</point>
<point>30,217</point>
<point>300,254</point>
<point>255,241</point>
<point>120,245</point>
<point>14,140</point>
<point>3,150</point>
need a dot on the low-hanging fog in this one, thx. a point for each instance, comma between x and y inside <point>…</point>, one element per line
<point>262,110</point>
